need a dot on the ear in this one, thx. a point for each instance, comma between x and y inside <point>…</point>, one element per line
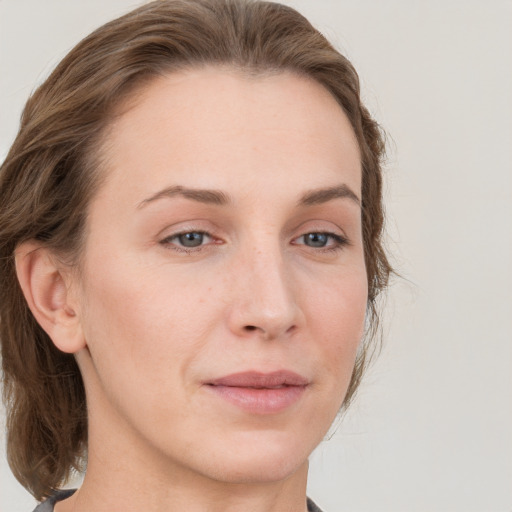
<point>46,286</point>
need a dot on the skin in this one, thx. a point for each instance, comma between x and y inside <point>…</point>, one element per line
<point>150,320</point>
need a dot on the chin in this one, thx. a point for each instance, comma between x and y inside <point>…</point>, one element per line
<point>259,461</point>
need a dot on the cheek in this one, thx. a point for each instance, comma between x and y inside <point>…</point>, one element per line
<point>134,318</point>
<point>145,330</point>
<point>337,312</point>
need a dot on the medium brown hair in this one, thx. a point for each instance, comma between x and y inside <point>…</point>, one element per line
<point>52,171</point>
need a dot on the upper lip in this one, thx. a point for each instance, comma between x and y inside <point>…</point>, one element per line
<point>255,379</point>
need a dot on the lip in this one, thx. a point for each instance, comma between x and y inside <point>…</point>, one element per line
<point>258,392</point>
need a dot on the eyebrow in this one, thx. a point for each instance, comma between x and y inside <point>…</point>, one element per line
<point>219,198</point>
<point>323,195</point>
<point>206,196</point>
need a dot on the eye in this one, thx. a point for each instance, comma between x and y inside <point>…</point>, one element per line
<point>187,241</point>
<point>192,239</point>
<point>316,239</point>
<point>321,240</point>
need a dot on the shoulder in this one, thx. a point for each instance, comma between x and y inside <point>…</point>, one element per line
<point>49,504</point>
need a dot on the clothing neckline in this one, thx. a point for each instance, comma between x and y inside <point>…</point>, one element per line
<point>49,504</point>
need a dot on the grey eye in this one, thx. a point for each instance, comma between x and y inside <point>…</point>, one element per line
<point>316,239</point>
<point>192,239</point>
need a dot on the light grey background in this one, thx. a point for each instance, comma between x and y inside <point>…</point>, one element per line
<point>431,429</point>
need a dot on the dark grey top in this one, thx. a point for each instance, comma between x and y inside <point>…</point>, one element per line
<point>48,505</point>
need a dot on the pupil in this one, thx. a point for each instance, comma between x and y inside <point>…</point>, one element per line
<point>191,239</point>
<point>316,239</point>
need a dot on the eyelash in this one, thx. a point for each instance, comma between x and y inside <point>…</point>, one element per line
<point>339,241</point>
<point>169,242</point>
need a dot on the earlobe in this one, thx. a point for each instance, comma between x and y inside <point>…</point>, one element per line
<point>46,291</point>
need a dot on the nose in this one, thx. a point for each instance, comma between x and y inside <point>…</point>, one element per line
<point>264,303</point>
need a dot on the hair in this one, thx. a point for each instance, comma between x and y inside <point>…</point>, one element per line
<point>53,169</point>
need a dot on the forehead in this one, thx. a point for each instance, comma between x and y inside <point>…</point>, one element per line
<point>221,126</point>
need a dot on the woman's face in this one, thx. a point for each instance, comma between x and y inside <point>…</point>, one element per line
<point>223,288</point>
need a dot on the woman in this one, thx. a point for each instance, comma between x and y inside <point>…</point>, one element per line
<point>191,227</point>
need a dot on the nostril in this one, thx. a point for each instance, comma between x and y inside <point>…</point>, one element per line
<point>250,328</point>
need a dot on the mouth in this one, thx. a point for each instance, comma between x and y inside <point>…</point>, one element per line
<point>260,393</point>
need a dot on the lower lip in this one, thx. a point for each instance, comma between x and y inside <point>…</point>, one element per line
<point>260,401</point>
